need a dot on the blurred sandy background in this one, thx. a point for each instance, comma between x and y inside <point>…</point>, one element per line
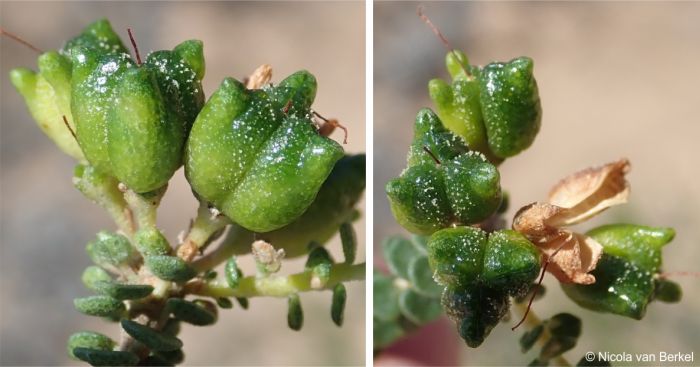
<point>46,222</point>
<point>616,79</point>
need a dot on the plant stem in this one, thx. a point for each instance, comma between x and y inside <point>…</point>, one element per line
<point>144,206</point>
<point>206,223</point>
<point>532,321</point>
<point>276,286</point>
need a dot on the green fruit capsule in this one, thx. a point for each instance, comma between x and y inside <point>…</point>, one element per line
<point>98,35</point>
<point>256,156</point>
<point>458,103</point>
<point>48,93</point>
<point>144,131</point>
<point>626,273</point>
<point>466,257</point>
<point>444,184</point>
<point>475,310</point>
<point>179,74</point>
<point>334,204</point>
<point>510,105</point>
<point>91,340</point>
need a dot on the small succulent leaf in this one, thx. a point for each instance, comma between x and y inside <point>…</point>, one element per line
<point>319,263</point>
<point>667,291</point>
<point>170,268</point>
<point>417,308</point>
<point>191,312</point>
<point>385,301</point>
<point>155,360</point>
<point>233,273</point>
<point>338,304</point>
<point>243,302</point>
<point>98,357</point>
<point>94,275</point>
<point>173,356</point>
<point>295,313</point>
<point>122,291</point>
<point>530,337</point>
<point>150,241</point>
<point>172,327</point>
<point>153,339</point>
<point>104,306</point>
<point>349,240</point>
<point>595,362</point>
<point>110,249</point>
<point>556,346</point>
<point>386,332</point>
<point>564,325</point>
<point>91,340</point>
<point>224,302</point>
<point>398,254</point>
<point>421,277</point>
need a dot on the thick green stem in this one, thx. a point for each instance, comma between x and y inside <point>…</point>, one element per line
<point>144,206</point>
<point>276,286</point>
<point>204,226</point>
<point>532,321</point>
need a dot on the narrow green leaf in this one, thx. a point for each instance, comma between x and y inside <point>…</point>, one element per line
<point>99,306</point>
<point>123,291</point>
<point>530,337</point>
<point>172,326</point>
<point>155,360</point>
<point>338,305</point>
<point>224,302</point>
<point>110,249</point>
<point>564,325</point>
<point>398,253</point>
<point>173,356</point>
<point>170,268</point>
<point>349,241</point>
<point>421,276</point>
<point>295,314</point>
<point>153,339</point>
<point>385,301</point>
<point>190,312</point>
<point>98,357</point>
<point>94,274</point>
<point>418,308</point>
<point>668,291</point>
<point>233,273</point>
<point>386,333</point>
<point>91,340</point>
<point>320,264</point>
<point>150,241</point>
<point>556,347</point>
<point>243,302</point>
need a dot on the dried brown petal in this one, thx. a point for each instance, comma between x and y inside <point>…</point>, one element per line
<point>589,192</point>
<point>572,257</point>
<point>260,77</point>
<point>533,222</point>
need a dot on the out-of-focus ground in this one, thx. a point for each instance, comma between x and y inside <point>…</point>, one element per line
<point>46,222</point>
<point>616,80</point>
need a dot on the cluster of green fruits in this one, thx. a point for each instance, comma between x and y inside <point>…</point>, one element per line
<point>256,155</point>
<point>451,193</point>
